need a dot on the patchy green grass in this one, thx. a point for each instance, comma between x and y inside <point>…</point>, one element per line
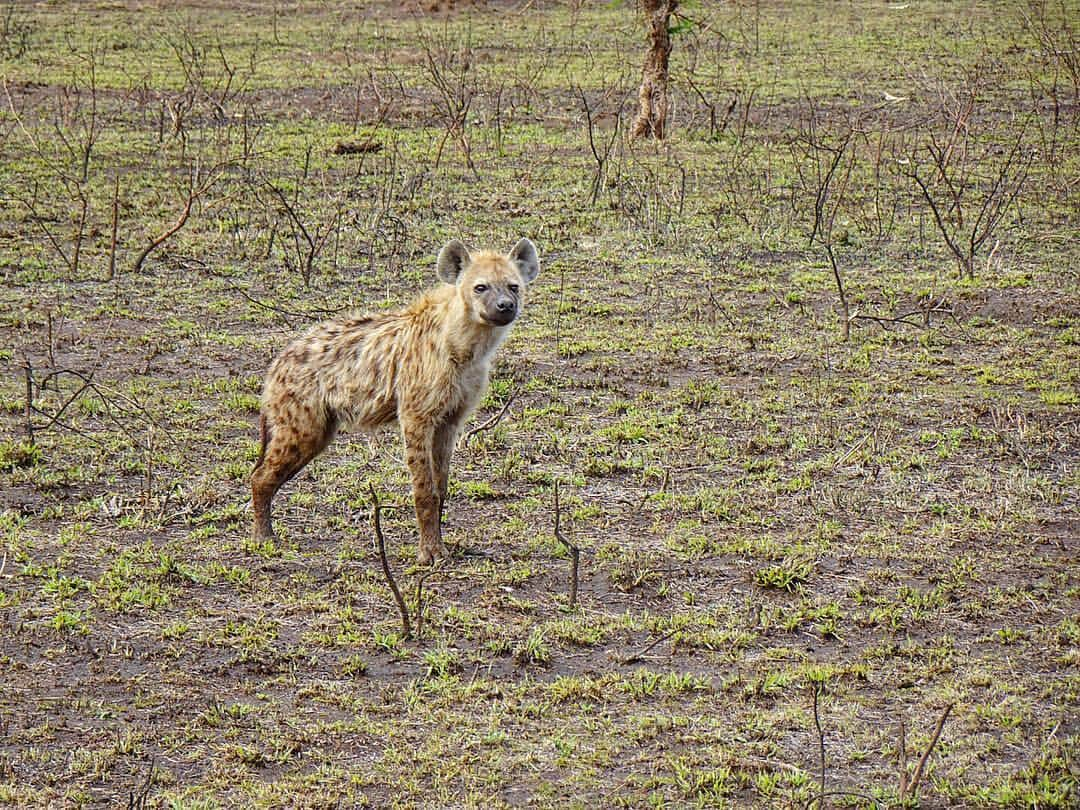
<point>764,510</point>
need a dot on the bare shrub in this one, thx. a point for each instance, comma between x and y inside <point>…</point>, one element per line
<point>968,173</point>
<point>603,105</point>
<point>748,186</point>
<point>62,139</point>
<point>16,30</point>
<point>650,191</point>
<point>307,207</point>
<point>1052,78</point>
<point>449,68</point>
<point>824,161</point>
<point>1059,44</point>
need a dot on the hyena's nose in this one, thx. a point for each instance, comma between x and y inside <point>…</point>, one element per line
<point>506,305</point>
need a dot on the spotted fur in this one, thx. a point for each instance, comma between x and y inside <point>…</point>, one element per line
<point>425,367</point>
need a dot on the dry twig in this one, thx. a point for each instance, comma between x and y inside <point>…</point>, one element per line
<point>819,798</point>
<point>491,422</point>
<point>115,227</point>
<point>376,508</point>
<point>901,756</point>
<point>138,800</point>
<point>310,314</point>
<point>29,405</point>
<point>648,648</point>
<point>575,553</point>
<point>420,597</point>
<point>198,185</point>
<point>912,789</point>
<point>818,689</point>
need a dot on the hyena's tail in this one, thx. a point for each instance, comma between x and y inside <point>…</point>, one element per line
<point>264,438</point>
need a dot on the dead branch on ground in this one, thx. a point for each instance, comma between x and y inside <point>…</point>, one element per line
<point>648,648</point>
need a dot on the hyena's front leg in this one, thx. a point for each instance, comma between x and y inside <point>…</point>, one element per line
<point>420,456</point>
<point>445,438</point>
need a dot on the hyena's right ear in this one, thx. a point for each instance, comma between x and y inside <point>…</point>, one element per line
<point>453,258</point>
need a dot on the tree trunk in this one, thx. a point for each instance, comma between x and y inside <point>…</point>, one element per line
<point>653,98</point>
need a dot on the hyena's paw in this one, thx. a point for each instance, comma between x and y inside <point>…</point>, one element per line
<point>261,533</point>
<point>432,553</point>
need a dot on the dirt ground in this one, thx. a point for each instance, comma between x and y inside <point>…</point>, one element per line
<point>805,561</point>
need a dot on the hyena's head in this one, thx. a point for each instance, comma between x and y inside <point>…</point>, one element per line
<point>490,285</point>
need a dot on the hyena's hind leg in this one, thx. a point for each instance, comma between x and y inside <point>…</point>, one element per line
<point>288,446</point>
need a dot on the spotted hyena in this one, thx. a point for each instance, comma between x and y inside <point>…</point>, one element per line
<point>425,366</point>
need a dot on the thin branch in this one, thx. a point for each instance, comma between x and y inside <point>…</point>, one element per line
<point>648,648</point>
<point>601,160</point>
<point>851,450</point>
<point>845,329</point>
<point>420,596</point>
<point>39,220</point>
<point>492,421</point>
<point>558,309</point>
<point>884,321</point>
<point>819,798</point>
<point>308,314</point>
<point>315,238</point>
<point>194,192</point>
<point>758,764</point>
<point>942,228</point>
<point>75,430</point>
<point>406,625</point>
<point>137,801</point>
<point>55,418</point>
<point>901,755</point>
<point>115,226</point>
<point>29,406</point>
<point>113,401</point>
<point>575,553</point>
<point>818,689</point>
<point>917,776</point>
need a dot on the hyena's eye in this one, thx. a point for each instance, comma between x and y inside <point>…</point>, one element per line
<point>480,288</point>
<point>514,288</point>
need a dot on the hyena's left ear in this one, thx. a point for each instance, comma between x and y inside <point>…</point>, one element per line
<point>528,263</point>
<point>453,258</point>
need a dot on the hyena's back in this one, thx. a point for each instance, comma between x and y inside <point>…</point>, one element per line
<point>341,373</point>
